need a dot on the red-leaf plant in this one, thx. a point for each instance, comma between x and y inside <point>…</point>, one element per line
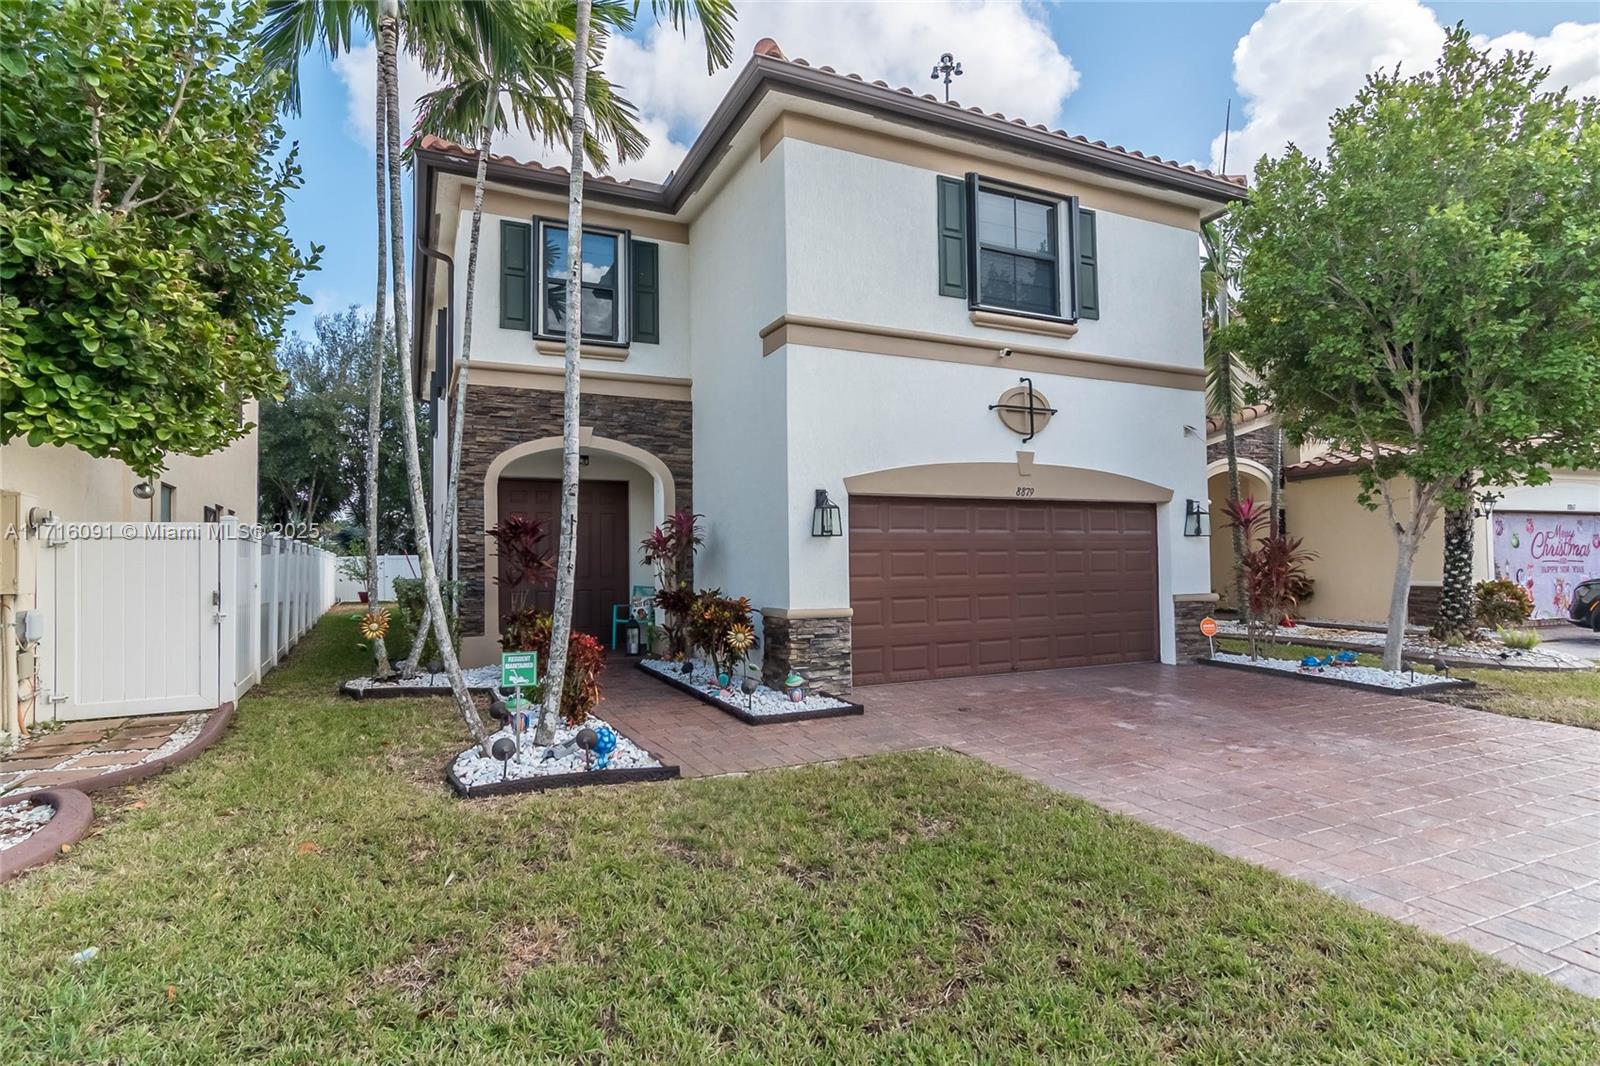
<point>586,658</point>
<point>1274,567</point>
<point>670,549</point>
<point>520,540</point>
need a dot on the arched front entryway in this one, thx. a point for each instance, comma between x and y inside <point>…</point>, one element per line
<point>1255,482</point>
<point>624,491</point>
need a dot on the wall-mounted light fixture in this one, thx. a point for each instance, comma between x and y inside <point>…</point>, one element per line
<point>1196,520</point>
<point>826,521</point>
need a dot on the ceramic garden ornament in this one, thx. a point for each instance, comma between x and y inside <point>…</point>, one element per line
<point>794,685</point>
<point>605,743</point>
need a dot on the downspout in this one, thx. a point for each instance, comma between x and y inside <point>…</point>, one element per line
<point>449,365</point>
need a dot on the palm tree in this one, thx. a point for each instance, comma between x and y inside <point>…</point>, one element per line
<point>433,30</point>
<point>716,23</point>
<point>1224,390</point>
<point>472,108</point>
<point>291,28</point>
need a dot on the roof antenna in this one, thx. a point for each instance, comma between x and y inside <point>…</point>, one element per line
<point>947,66</point>
<point>1227,123</point>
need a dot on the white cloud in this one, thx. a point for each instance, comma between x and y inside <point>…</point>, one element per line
<point>1011,61</point>
<point>1302,61</point>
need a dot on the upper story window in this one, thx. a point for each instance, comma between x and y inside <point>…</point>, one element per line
<point>1021,251</point>
<point>1017,260</point>
<point>603,295</point>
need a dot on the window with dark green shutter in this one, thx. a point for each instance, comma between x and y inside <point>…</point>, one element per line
<point>1088,267</point>
<point>516,286</point>
<point>952,237</point>
<point>646,292</point>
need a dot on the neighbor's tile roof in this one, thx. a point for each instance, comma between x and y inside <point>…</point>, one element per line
<point>1245,416</point>
<point>767,48</point>
<point>1330,462</point>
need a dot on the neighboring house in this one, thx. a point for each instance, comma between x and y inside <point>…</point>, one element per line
<point>1544,537</point>
<point>75,487</point>
<point>823,306</point>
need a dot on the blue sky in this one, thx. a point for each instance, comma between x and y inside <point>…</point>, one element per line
<point>1152,76</point>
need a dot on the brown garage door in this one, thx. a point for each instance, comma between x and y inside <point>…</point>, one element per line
<point>943,588</point>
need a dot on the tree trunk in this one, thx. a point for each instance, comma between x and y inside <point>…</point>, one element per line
<point>1395,639</point>
<point>390,85</point>
<point>380,651</point>
<point>1230,444</point>
<point>447,532</point>
<point>567,556</point>
<point>1457,612</point>
<point>1275,520</point>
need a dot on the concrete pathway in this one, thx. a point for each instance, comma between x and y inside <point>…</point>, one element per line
<point>1483,828</point>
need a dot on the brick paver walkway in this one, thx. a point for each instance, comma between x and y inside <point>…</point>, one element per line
<point>79,749</point>
<point>1483,828</point>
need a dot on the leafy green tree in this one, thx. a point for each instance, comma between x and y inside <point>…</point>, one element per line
<point>314,439</point>
<point>144,260</point>
<point>1430,296</point>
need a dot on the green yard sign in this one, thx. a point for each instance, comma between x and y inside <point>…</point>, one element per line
<point>519,669</point>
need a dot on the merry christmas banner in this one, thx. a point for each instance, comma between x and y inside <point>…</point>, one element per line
<point>1547,554</point>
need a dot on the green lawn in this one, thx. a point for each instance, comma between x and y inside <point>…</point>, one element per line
<point>1569,697</point>
<point>308,892</point>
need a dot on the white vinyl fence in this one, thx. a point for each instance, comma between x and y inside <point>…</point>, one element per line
<point>349,588</point>
<point>152,618</point>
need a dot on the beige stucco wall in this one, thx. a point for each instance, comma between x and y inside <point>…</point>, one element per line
<point>78,487</point>
<point>1354,568</point>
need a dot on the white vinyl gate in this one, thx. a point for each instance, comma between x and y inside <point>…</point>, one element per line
<point>159,618</point>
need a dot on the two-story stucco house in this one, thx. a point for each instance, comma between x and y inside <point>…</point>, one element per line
<point>978,339</point>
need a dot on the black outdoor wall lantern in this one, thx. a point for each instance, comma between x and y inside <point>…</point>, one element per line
<point>826,521</point>
<point>1196,520</point>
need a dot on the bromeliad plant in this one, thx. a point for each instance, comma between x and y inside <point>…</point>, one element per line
<point>1274,569</point>
<point>669,550</point>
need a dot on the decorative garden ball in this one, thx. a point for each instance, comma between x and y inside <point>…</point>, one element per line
<point>605,743</point>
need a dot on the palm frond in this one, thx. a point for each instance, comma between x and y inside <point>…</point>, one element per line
<point>716,18</point>
<point>290,28</point>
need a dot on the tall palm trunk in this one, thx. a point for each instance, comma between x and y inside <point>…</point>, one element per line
<point>389,91</point>
<point>1457,612</point>
<point>380,651</point>
<point>447,532</point>
<point>1275,522</point>
<point>567,555</point>
<point>1231,446</point>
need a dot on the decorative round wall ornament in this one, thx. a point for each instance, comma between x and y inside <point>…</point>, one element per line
<point>1021,416</point>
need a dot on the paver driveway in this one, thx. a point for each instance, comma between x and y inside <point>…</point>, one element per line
<point>1483,828</point>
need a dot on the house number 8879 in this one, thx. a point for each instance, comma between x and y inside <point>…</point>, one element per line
<point>1024,490</point>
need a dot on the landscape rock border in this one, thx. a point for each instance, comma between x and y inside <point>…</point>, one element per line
<point>215,724</point>
<point>1414,691</point>
<point>849,709</point>
<point>396,692</point>
<point>515,786</point>
<point>74,814</point>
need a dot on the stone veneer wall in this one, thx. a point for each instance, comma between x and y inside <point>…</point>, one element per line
<point>499,418</point>
<point>816,648</point>
<point>1422,604</point>
<point>1187,612</point>
<point>1253,443</point>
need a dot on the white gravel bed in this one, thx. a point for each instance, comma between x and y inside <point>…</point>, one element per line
<point>477,677</point>
<point>1486,648</point>
<point>1366,675</point>
<point>473,769</point>
<point>764,702</point>
<point>19,821</point>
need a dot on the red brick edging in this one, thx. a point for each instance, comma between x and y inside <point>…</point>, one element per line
<point>74,814</point>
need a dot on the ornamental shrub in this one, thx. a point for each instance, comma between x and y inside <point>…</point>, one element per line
<point>1519,639</point>
<point>526,630</point>
<point>410,604</point>
<point>1502,603</point>
<point>712,618</point>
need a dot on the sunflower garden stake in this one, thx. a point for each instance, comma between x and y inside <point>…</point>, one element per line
<point>739,639</point>
<point>374,625</point>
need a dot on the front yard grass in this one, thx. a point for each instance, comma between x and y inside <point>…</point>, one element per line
<point>307,891</point>
<point>1567,697</point>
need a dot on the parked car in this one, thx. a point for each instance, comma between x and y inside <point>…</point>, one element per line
<point>1586,605</point>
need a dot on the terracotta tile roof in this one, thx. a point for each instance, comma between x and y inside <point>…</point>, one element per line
<point>1245,416</point>
<point>1329,462</point>
<point>768,49</point>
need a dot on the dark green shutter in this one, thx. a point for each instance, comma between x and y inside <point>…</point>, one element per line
<point>646,292</point>
<point>1088,268</point>
<point>516,288</point>
<point>952,237</point>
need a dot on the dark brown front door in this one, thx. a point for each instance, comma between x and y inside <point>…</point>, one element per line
<point>602,576</point>
<point>944,588</point>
